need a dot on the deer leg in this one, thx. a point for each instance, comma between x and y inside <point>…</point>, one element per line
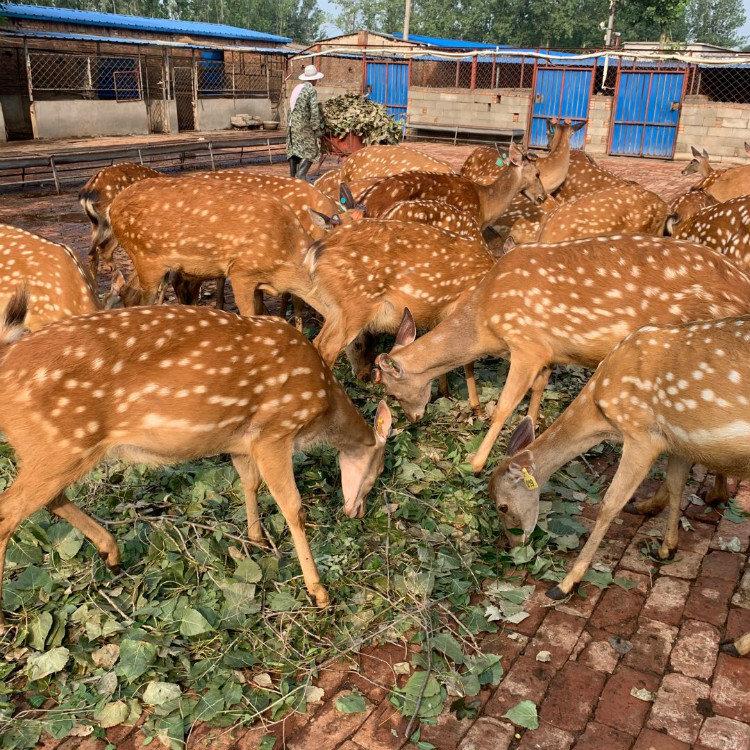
<point>719,492</point>
<point>677,475</point>
<point>471,388</point>
<point>537,391</point>
<point>335,335</point>
<point>250,479</point>
<point>522,373</point>
<point>740,647</point>
<point>104,542</point>
<point>298,306</point>
<point>275,464</point>
<point>443,390</point>
<point>650,506</point>
<point>221,292</point>
<point>636,460</point>
<point>246,294</point>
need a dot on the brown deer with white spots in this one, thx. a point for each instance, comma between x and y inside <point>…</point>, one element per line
<point>437,214</point>
<point>622,209</point>
<point>586,176</point>
<point>233,230</point>
<point>724,227</point>
<point>482,165</point>
<point>385,161</point>
<point>365,274</point>
<point>680,390</point>
<point>722,184</point>
<point>483,203</point>
<point>57,285</point>
<point>687,205</point>
<point>568,303</point>
<point>162,385</point>
<point>96,197</point>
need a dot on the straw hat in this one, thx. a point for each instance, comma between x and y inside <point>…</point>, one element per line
<point>311,74</point>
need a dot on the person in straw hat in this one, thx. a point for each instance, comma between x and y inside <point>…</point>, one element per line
<point>305,124</point>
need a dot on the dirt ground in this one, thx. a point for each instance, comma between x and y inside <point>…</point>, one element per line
<point>661,636</point>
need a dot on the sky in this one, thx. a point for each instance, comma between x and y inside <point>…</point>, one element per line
<point>330,29</point>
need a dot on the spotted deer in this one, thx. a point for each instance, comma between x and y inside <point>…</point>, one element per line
<point>56,283</point>
<point>437,214</point>
<point>366,273</point>
<point>482,165</point>
<point>677,389</point>
<point>385,161</point>
<point>163,385</point>
<point>685,206</point>
<point>585,176</point>
<point>722,184</point>
<point>483,203</point>
<point>622,209</point>
<point>569,303</point>
<point>233,230</point>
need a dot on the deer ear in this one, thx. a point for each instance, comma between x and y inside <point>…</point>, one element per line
<point>509,243</point>
<point>705,154</point>
<point>346,199</point>
<point>522,437</point>
<point>383,422</point>
<point>747,147</point>
<point>515,155</point>
<point>696,153</point>
<point>407,331</point>
<point>386,363</point>
<point>321,220</point>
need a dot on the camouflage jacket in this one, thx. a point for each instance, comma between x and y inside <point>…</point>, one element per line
<point>305,126</point>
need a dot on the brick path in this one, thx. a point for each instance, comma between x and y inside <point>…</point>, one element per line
<point>662,635</point>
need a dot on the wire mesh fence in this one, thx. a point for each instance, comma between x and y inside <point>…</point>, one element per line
<point>260,77</point>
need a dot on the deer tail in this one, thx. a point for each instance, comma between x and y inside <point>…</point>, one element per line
<point>14,318</point>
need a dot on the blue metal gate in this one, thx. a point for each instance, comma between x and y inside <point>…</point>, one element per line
<point>388,83</point>
<point>561,91</point>
<point>646,111</point>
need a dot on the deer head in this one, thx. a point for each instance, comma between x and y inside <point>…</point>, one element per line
<point>531,183</point>
<point>699,163</point>
<point>351,211</point>
<point>413,397</point>
<point>362,465</point>
<point>361,355</point>
<point>514,488</point>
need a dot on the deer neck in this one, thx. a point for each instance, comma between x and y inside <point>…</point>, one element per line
<point>557,163</point>
<point>494,199</point>
<point>705,169</point>
<point>452,343</point>
<point>347,430</point>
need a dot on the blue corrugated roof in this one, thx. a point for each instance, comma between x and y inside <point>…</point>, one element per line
<point>435,41</point>
<point>136,23</point>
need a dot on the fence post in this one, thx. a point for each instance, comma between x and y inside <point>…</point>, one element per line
<point>30,84</point>
<point>493,82</point>
<point>166,121</point>
<point>473,82</point>
<point>364,73</point>
<point>458,68</point>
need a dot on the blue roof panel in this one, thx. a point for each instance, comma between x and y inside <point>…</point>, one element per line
<point>136,23</point>
<point>435,41</point>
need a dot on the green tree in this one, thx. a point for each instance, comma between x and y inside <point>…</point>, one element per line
<point>715,22</point>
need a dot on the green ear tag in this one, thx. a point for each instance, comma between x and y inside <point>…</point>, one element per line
<point>500,162</point>
<point>528,480</point>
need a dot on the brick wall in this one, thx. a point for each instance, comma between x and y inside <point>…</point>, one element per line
<point>500,109</point>
<point>597,131</point>
<point>720,128</point>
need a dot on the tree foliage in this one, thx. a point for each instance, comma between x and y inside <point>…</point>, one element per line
<point>715,22</point>
<point>299,19</point>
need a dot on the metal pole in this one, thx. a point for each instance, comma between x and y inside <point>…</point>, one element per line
<point>407,19</point>
<point>30,84</point>
<point>610,24</point>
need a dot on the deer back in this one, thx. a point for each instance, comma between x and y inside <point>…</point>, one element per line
<point>729,183</point>
<point>384,161</point>
<point>459,192</point>
<point>687,205</point>
<point>578,299</point>
<point>585,176</point>
<point>373,269</point>
<point>179,224</point>
<point>481,165</point>
<point>436,214</point>
<point>724,227</point>
<point>56,283</point>
<point>622,209</point>
<point>97,194</point>
<point>329,183</point>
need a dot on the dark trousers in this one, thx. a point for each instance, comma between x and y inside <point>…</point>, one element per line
<point>299,167</point>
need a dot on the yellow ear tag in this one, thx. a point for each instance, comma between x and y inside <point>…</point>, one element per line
<point>528,480</point>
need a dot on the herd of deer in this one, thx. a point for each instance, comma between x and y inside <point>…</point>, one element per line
<point>542,260</point>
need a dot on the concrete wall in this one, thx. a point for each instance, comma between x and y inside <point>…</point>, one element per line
<point>68,118</point>
<point>15,113</point>
<point>214,114</point>
<point>597,131</point>
<point>720,128</point>
<point>499,109</point>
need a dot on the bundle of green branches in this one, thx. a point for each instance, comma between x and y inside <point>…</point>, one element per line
<point>351,113</point>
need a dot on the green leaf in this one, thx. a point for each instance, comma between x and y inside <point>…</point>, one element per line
<point>209,706</point>
<point>39,630</point>
<point>135,658</point>
<point>282,601</point>
<point>523,554</point>
<point>41,665</point>
<point>112,714</point>
<point>194,623</point>
<point>268,742</point>
<point>600,578</point>
<point>66,540</point>
<point>351,703</point>
<point>158,693</point>
<point>449,646</point>
<point>524,715</point>
<point>248,570</point>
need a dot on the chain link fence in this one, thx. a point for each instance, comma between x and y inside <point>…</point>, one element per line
<point>260,78</point>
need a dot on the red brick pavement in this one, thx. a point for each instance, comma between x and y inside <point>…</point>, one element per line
<point>661,636</point>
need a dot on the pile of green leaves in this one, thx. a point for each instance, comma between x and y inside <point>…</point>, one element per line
<point>351,113</point>
<point>201,626</point>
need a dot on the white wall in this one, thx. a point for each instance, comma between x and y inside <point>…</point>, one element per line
<point>75,118</point>
<point>214,114</point>
<point>3,134</point>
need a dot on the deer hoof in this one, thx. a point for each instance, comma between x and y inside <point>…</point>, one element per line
<point>556,594</point>
<point>476,464</point>
<point>478,411</point>
<point>666,554</point>
<point>728,647</point>
<point>320,595</point>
